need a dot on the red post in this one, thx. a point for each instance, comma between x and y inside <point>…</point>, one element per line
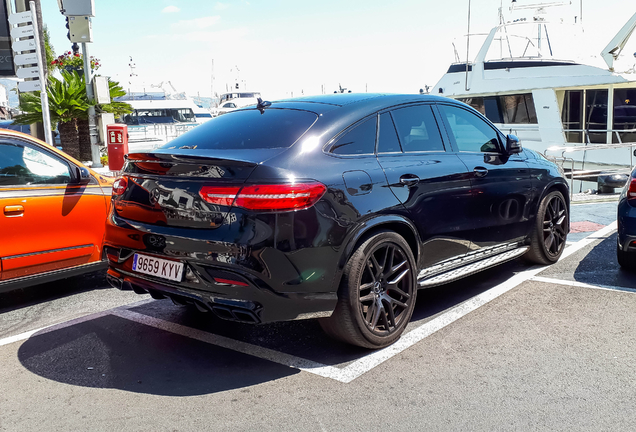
<point>117,140</point>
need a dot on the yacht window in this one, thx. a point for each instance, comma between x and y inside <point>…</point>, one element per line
<point>488,106</point>
<point>509,109</point>
<point>625,114</point>
<point>596,115</point>
<point>518,109</point>
<point>572,115</point>
<point>184,115</point>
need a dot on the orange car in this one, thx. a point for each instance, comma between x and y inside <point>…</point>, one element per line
<point>53,213</point>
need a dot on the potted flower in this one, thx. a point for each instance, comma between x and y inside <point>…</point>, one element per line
<point>73,62</point>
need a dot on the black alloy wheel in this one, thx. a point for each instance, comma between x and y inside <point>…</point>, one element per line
<point>377,293</point>
<point>384,291</point>
<point>550,231</point>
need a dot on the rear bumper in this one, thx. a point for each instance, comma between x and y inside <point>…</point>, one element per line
<point>287,265</point>
<point>626,219</point>
<point>252,304</point>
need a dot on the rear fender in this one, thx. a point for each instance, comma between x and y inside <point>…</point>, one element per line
<point>367,228</point>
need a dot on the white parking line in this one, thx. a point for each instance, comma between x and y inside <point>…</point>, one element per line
<point>581,284</point>
<point>358,367</point>
<point>47,329</point>
<point>233,344</point>
<point>58,326</point>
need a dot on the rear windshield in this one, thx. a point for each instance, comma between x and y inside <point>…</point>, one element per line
<point>250,129</point>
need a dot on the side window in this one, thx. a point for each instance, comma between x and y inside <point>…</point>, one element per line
<point>21,165</point>
<point>417,129</point>
<point>471,133</point>
<point>359,140</point>
<point>387,138</point>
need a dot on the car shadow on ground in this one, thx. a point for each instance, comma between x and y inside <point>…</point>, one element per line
<point>111,352</point>
<point>600,267</point>
<point>42,293</point>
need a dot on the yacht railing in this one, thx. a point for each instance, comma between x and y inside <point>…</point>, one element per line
<point>583,174</point>
<point>589,145</point>
<point>159,131</point>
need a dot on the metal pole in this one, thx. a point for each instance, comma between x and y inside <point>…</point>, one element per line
<point>44,97</point>
<point>88,77</point>
<point>468,46</point>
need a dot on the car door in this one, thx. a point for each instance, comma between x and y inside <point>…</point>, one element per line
<point>501,183</point>
<point>432,183</point>
<point>49,221</point>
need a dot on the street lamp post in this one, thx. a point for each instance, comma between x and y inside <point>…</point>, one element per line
<point>78,13</point>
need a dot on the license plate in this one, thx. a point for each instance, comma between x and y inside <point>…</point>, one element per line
<point>166,269</point>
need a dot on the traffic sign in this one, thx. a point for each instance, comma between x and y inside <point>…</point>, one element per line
<point>25,59</point>
<point>23,45</point>
<point>20,18</point>
<point>27,86</point>
<point>29,72</point>
<point>24,31</point>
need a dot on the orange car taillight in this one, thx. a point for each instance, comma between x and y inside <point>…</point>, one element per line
<point>631,192</point>
<point>119,186</point>
<point>270,197</point>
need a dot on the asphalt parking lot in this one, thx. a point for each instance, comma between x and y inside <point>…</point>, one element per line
<point>513,348</point>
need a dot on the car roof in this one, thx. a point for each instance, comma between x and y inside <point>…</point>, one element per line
<point>342,99</point>
<point>351,102</point>
<point>337,111</point>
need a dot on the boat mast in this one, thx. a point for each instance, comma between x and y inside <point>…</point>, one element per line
<point>467,46</point>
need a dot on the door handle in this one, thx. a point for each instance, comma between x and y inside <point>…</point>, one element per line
<point>14,210</point>
<point>480,171</point>
<point>409,179</point>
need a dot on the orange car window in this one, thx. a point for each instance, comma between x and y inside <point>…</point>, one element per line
<point>22,165</point>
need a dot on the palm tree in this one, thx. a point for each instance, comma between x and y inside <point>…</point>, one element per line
<point>67,102</point>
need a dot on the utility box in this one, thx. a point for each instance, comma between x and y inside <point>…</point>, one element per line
<point>103,120</point>
<point>117,141</point>
<point>77,7</point>
<point>80,29</point>
<point>101,90</point>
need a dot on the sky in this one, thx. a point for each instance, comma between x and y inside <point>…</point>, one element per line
<point>287,48</point>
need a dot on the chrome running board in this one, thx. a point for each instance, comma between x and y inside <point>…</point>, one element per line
<point>470,269</point>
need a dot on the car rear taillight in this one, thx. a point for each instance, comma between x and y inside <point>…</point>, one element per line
<point>220,195</point>
<point>270,197</point>
<point>631,192</point>
<point>119,186</point>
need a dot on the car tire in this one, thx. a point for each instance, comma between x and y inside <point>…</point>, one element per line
<point>549,233</point>
<point>377,293</point>
<point>627,260</point>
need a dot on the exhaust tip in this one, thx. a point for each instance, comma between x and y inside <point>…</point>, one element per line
<point>115,282</point>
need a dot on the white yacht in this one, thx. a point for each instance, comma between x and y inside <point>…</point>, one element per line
<point>559,107</point>
<point>235,100</point>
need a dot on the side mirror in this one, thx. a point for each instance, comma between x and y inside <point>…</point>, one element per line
<point>82,175</point>
<point>513,146</point>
